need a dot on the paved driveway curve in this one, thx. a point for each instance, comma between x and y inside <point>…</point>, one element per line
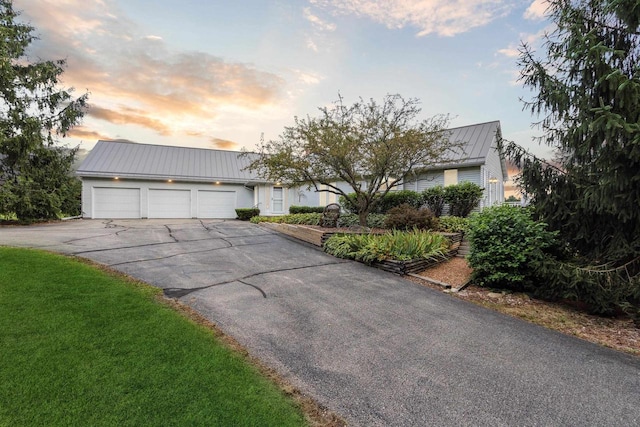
<point>373,347</point>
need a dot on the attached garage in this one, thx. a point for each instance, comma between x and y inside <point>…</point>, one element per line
<point>166,203</point>
<point>129,180</point>
<point>216,204</point>
<point>109,202</point>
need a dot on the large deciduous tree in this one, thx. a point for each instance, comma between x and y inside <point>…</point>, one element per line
<point>35,173</point>
<point>370,146</point>
<point>588,100</point>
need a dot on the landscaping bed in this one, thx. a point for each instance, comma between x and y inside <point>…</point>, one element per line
<point>619,333</point>
<point>317,236</point>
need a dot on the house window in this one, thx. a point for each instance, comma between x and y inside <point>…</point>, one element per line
<point>278,200</point>
<point>450,177</point>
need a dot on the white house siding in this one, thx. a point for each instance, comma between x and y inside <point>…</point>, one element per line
<point>301,196</point>
<point>424,181</point>
<point>471,174</point>
<point>94,190</point>
<point>494,193</point>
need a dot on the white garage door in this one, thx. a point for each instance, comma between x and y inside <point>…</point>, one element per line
<point>116,202</point>
<point>216,204</point>
<point>169,203</point>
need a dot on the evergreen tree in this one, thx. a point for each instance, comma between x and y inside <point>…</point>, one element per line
<point>588,99</point>
<point>35,174</point>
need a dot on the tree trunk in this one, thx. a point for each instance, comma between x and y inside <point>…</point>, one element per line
<point>362,217</point>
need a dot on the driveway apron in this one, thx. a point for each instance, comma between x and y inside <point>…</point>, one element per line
<point>369,345</point>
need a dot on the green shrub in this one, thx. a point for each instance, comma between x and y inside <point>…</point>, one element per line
<point>373,220</point>
<point>405,217</point>
<point>507,247</point>
<point>396,198</point>
<point>304,219</point>
<point>462,198</point>
<point>305,209</point>
<point>389,201</point>
<point>398,245</point>
<point>453,224</point>
<point>434,199</point>
<point>245,214</point>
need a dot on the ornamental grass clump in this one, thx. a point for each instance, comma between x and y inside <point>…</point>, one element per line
<point>396,245</point>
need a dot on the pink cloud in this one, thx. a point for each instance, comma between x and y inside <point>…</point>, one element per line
<point>223,144</point>
<point>442,17</point>
<point>536,10</point>
<point>154,86</point>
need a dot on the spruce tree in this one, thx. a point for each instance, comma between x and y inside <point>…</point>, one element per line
<point>588,102</point>
<point>35,173</point>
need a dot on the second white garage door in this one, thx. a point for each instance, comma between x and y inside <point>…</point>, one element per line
<point>216,204</point>
<point>169,203</point>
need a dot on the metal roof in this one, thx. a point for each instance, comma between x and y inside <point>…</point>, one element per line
<point>127,159</point>
<point>144,161</point>
<point>476,141</point>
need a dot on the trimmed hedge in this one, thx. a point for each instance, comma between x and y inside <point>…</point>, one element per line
<point>389,201</point>
<point>305,209</point>
<point>304,219</point>
<point>396,198</point>
<point>245,214</point>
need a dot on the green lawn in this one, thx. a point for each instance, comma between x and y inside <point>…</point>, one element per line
<point>82,347</point>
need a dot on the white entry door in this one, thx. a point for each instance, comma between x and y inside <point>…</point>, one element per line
<point>169,203</point>
<point>110,202</point>
<point>278,200</point>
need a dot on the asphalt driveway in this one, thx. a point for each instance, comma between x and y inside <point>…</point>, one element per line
<point>371,346</point>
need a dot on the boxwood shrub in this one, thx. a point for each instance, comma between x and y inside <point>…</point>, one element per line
<point>245,214</point>
<point>305,219</point>
<point>305,209</point>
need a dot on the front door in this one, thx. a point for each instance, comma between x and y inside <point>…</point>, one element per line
<point>278,200</point>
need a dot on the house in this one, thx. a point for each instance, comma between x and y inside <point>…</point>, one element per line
<point>478,160</point>
<point>122,179</point>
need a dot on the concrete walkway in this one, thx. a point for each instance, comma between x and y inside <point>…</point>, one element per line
<point>371,346</point>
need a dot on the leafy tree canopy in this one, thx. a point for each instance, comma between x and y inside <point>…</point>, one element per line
<point>370,146</point>
<point>34,112</point>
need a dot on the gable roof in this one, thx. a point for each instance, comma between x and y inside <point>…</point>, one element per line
<point>126,159</point>
<point>476,142</point>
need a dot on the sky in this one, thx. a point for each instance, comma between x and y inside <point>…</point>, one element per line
<point>220,74</point>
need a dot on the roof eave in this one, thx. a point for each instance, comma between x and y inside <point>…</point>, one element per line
<point>143,177</point>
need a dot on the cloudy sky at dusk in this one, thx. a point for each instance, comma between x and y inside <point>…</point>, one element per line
<point>218,74</point>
